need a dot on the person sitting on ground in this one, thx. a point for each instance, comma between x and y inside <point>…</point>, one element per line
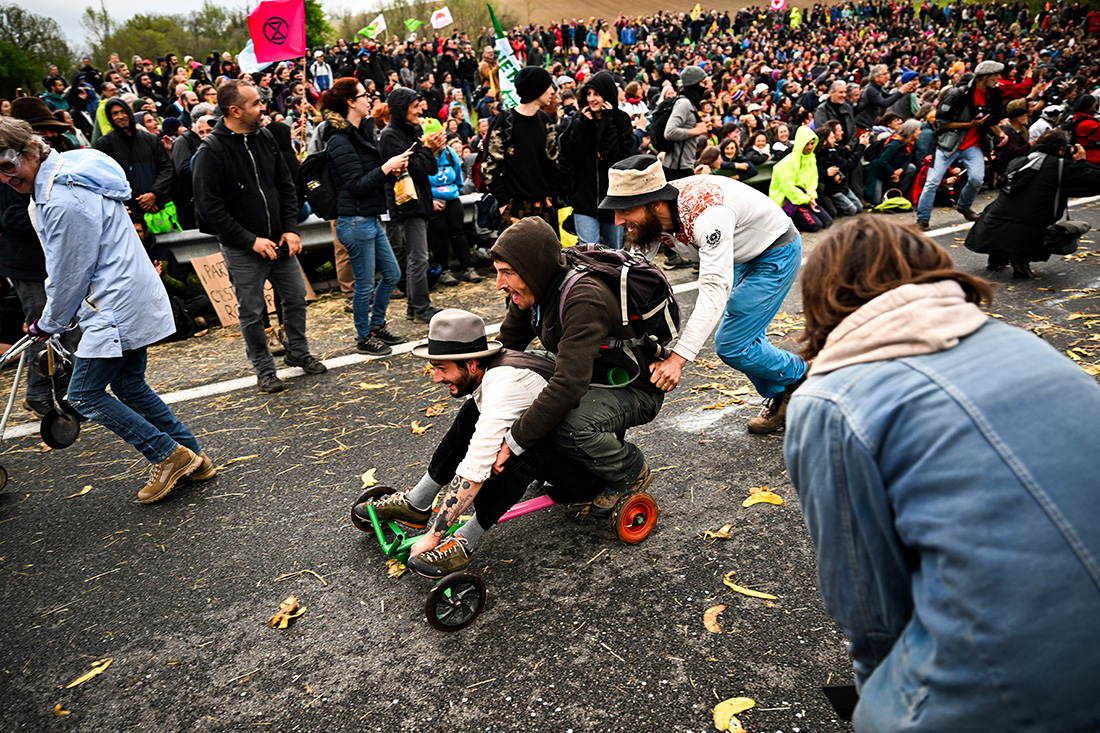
<point>497,386</point>
<point>834,165</point>
<point>930,499</point>
<point>732,163</point>
<point>758,152</point>
<point>794,182</point>
<point>893,167</point>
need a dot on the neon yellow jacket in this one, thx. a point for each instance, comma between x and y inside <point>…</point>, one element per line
<point>794,178</point>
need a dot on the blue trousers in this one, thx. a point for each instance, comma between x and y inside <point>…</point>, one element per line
<point>589,229</point>
<point>759,287</point>
<point>974,162</point>
<point>138,415</point>
<point>367,246</point>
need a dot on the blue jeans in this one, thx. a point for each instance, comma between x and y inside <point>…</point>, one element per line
<point>974,162</point>
<point>589,230</point>
<point>367,246</point>
<point>741,341</point>
<point>138,416</point>
<point>248,271</point>
<point>846,203</point>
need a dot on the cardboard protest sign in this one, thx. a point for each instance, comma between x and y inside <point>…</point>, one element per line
<point>215,281</point>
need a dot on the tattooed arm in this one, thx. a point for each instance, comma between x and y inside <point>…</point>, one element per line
<point>456,499</point>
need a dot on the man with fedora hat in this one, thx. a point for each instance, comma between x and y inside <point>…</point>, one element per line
<point>501,385</point>
<point>966,118</point>
<point>749,253</point>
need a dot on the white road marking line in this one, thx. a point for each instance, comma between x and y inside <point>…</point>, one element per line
<point>231,385</point>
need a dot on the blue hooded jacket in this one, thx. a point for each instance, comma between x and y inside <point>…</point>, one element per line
<point>98,271</point>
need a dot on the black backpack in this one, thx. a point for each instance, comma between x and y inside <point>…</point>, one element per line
<point>645,297</point>
<point>657,124</point>
<point>874,150</point>
<point>317,186</point>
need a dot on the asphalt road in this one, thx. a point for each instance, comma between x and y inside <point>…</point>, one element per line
<point>580,633</point>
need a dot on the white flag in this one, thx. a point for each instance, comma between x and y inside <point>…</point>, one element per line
<point>246,59</point>
<point>442,18</point>
<point>509,67</point>
<point>377,27</point>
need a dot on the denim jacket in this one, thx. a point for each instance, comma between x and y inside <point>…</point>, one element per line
<point>98,270</point>
<point>954,501</point>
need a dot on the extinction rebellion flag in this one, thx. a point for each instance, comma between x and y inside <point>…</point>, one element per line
<point>278,30</point>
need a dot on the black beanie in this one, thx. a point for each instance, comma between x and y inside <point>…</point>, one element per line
<point>531,82</point>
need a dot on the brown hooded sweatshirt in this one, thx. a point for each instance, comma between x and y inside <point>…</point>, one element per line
<point>591,315</point>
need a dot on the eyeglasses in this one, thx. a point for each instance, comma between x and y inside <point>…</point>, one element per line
<point>360,96</point>
<point>11,161</point>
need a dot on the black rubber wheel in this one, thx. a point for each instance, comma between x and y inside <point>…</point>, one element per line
<point>58,430</point>
<point>369,494</point>
<point>455,602</point>
<point>634,517</point>
<point>3,477</point>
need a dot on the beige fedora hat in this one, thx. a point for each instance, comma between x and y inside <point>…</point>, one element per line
<point>456,335</point>
<point>636,181</point>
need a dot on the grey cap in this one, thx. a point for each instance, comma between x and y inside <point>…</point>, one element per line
<point>989,67</point>
<point>691,76</point>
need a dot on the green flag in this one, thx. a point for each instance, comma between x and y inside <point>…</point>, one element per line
<point>496,23</point>
<point>413,24</point>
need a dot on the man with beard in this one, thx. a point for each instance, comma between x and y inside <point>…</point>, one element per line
<point>748,252</point>
<point>501,385</point>
<point>141,155</point>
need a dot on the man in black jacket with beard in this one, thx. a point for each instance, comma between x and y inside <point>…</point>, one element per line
<point>141,155</point>
<point>245,195</point>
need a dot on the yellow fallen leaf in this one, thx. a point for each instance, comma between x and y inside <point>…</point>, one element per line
<point>82,492</point>
<point>417,430</point>
<point>395,568</point>
<point>288,609</point>
<point>437,409</point>
<point>1073,356</point>
<point>711,385</point>
<point>710,619</point>
<point>725,710</point>
<point>239,459</point>
<point>745,591</point>
<point>735,392</point>
<point>98,667</point>
<point>762,495</point>
<point>59,709</point>
<point>719,534</point>
<point>368,478</point>
<point>715,406</point>
<point>372,385</point>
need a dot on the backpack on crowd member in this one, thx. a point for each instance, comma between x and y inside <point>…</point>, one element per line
<point>646,300</point>
<point>658,122</point>
<point>317,186</point>
<point>874,150</point>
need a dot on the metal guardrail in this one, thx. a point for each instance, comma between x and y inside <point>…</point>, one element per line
<point>316,235</point>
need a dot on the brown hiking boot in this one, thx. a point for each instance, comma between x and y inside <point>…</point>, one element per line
<point>204,472</point>
<point>166,473</point>
<point>450,557</point>
<point>774,415</point>
<point>606,500</point>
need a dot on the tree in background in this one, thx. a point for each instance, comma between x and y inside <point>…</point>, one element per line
<point>318,30</point>
<point>29,43</point>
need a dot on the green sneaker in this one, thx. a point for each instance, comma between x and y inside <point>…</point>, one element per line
<point>449,557</point>
<point>606,501</point>
<point>395,508</point>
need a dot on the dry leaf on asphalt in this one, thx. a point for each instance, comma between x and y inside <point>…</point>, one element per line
<point>417,430</point>
<point>82,492</point>
<point>98,667</point>
<point>719,534</point>
<point>395,568</point>
<point>762,495</point>
<point>437,409</point>
<point>288,609</point>
<point>368,478</point>
<point>59,709</point>
<point>725,710</point>
<point>710,619</point>
<point>727,579</point>
<point>372,385</point>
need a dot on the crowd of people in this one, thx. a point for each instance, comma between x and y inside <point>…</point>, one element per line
<point>705,140</point>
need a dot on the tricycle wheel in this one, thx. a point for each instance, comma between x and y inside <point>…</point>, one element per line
<point>634,517</point>
<point>3,478</point>
<point>455,602</point>
<point>362,522</point>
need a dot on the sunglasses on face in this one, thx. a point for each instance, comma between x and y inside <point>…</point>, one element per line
<point>11,161</point>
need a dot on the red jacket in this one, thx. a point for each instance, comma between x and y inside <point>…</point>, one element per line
<point>1086,132</point>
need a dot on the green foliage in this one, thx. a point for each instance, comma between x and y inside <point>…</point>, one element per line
<point>318,30</point>
<point>29,40</point>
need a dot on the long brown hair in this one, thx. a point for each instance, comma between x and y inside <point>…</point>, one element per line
<point>864,257</point>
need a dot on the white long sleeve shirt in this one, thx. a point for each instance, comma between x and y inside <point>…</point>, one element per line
<point>723,222</point>
<point>504,394</point>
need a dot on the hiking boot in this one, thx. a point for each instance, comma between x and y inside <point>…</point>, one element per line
<point>923,225</point>
<point>309,363</point>
<point>450,557</point>
<point>774,415</point>
<point>38,407</point>
<point>270,383</point>
<point>424,316</point>
<point>398,293</point>
<point>274,340</point>
<point>386,336</point>
<point>447,279</point>
<point>606,501</point>
<point>371,346</point>
<point>166,473</point>
<point>204,472</point>
<point>674,261</point>
<point>1021,271</point>
<point>969,214</point>
<point>470,275</point>
<point>395,508</point>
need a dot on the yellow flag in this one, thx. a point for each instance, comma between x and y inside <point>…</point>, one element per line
<point>695,11</point>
